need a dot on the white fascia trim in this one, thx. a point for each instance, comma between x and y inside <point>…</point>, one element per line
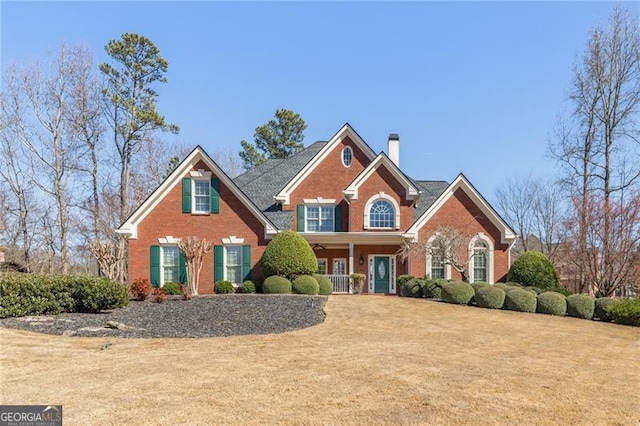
<point>232,240</point>
<point>130,226</point>
<point>352,190</point>
<point>319,200</point>
<point>346,130</point>
<point>168,240</point>
<point>506,233</point>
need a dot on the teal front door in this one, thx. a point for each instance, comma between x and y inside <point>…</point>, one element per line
<point>381,274</point>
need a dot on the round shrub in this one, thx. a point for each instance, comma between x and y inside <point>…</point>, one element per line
<point>411,288</point>
<point>326,286</point>
<point>140,289</point>
<point>534,269</point>
<point>479,284</point>
<point>504,286</point>
<point>288,255</point>
<point>247,287</point>
<point>580,306</point>
<point>276,285</point>
<point>223,287</point>
<point>520,300</point>
<point>626,312</point>
<point>432,289</point>
<point>537,290</point>
<point>490,297</point>
<point>305,284</point>
<point>403,279</point>
<point>602,307</point>
<point>457,292</point>
<point>172,288</point>
<point>552,303</point>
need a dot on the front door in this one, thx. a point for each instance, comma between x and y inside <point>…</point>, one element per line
<point>381,274</point>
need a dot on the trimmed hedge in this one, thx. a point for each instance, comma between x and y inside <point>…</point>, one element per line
<point>172,288</point>
<point>552,303</point>
<point>580,306</point>
<point>534,269</point>
<point>626,312</point>
<point>288,255</point>
<point>602,307</point>
<point>223,287</point>
<point>247,287</point>
<point>305,284</point>
<point>479,284</point>
<point>403,279</point>
<point>324,283</point>
<point>490,297</point>
<point>457,292</point>
<point>412,288</point>
<point>42,294</point>
<point>432,289</point>
<point>276,285</point>
<point>504,286</point>
<point>520,300</point>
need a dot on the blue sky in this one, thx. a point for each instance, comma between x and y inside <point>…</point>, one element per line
<point>472,87</point>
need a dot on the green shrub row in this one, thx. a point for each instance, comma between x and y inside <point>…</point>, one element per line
<point>276,284</point>
<point>223,287</point>
<point>42,294</point>
<point>305,284</point>
<point>172,289</point>
<point>324,283</point>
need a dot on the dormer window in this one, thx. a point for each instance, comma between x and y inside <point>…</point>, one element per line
<point>382,212</point>
<point>347,156</point>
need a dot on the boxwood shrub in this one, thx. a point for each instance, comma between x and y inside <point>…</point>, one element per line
<point>534,269</point>
<point>479,284</point>
<point>580,306</point>
<point>288,255</point>
<point>432,289</point>
<point>305,284</point>
<point>457,292</point>
<point>490,297</point>
<point>247,287</point>
<point>626,312</point>
<point>276,285</point>
<point>412,288</point>
<point>602,307</point>
<point>403,279</point>
<point>172,288</point>
<point>324,283</point>
<point>504,286</point>
<point>552,303</point>
<point>520,300</point>
<point>223,287</point>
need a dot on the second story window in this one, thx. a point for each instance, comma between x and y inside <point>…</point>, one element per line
<point>382,215</point>
<point>201,195</point>
<point>320,219</point>
<point>347,156</point>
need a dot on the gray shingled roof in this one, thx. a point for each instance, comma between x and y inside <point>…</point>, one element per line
<point>431,190</point>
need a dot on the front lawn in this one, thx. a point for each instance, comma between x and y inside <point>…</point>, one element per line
<point>374,360</point>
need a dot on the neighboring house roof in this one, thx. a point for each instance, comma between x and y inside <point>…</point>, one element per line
<point>130,226</point>
<point>412,192</point>
<point>461,182</point>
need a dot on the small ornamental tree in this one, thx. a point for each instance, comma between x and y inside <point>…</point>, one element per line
<point>288,255</point>
<point>534,269</point>
<point>194,250</point>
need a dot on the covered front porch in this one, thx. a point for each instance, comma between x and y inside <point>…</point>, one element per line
<point>373,254</point>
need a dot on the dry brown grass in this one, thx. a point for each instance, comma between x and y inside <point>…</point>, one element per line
<point>375,360</point>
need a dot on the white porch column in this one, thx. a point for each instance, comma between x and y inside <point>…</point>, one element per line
<point>350,258</point>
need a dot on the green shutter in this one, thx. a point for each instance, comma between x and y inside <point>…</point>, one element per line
<point>338,218</point>
<point>155,266</point>
<point>215,195</point>
<point>246,262</point>
<point>300,210</point>
<point>218,261</point>
<point>183,269</point>
<point>186,195</point>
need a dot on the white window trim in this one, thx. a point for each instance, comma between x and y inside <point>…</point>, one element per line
<point>447,266</point>
<point>485,239</point>
<point>326,265</point>
<point>224,263</point>
<point>319,206</point>
<point>169,240</point>
<point>201,176</point>
<point>386,197</point>
<point>232,240</point>
<point>162,247</point>
<point>347,147</point>
<point>333,266</point>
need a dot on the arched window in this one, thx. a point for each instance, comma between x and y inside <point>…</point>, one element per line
<point>347,156</point>
<point>480,261</point>
<point>382,215</point>
<point>436,264</point>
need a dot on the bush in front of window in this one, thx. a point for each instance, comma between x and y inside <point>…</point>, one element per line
<point>140,289</point>
<point>534,269</point>
<point>552,303</point>
<point>432,289</point>
<point>276,284</point>
<point>457,292</point>
<point>490,297</point>
<point>403,279</point>
<point>247,287</point>
<point>581,306</point>
<point>223,287</point>
<point>520,300</point>
<point>305,284</point>
<point>412,288</point>
<point>324,283</point>
<point>160,296</point>
<point>288,255</point>
<point>172,289</point>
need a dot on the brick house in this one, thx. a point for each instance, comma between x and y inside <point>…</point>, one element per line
<point>356,208</point>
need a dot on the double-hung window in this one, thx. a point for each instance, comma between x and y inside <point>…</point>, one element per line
<point>480,261</point>
<point>233,264</point>
<point>437,266</point>
<point>201,195</point>
<point>170,264</point>
<point>320,218</point>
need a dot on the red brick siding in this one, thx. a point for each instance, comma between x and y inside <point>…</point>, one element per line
<point>461,212</point>
<point>167,219</point>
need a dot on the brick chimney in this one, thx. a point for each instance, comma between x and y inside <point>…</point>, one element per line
<point>393,148</point>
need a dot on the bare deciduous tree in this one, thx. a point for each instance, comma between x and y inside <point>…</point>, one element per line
<point>194,249</point>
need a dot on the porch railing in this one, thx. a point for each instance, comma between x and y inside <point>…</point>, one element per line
<point>340,283</point>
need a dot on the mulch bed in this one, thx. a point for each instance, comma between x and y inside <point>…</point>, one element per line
<point>205,316</point>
